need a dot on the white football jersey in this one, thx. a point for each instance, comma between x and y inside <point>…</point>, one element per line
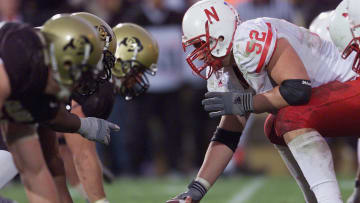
<point>255,42</point>
<point>225,80</point>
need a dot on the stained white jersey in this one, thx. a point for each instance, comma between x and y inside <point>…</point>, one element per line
<point>226,80</point>
<point>255,42</point>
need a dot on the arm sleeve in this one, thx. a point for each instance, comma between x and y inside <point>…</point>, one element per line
<point>254,45</point>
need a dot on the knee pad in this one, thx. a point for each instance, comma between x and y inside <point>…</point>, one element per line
<point>270,133</point>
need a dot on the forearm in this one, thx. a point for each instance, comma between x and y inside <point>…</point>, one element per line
<point>65,122</point>
<point>5,88</point>
<point>270,101</point>
<point>216,159</point>
<point>218,154</point>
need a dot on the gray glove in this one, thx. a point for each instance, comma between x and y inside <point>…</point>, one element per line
<point>97,129</point>
<point>196,191</point>
<point>228,103</point>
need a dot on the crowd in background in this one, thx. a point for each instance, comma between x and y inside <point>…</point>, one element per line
<point>166,130</point>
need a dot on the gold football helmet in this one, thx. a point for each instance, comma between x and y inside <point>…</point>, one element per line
<point>136,56</point>
<point>107,38</point>
<point>74,51</point>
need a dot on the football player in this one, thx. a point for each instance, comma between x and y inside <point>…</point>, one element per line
<point>296,76</point>
<point>94,98</point>
<point>345,32</point>
<point>85,149</point>
<point>39,69</point>
<point>136,57</point>
<point>79,153</point>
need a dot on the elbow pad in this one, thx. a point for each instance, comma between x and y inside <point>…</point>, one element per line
<point>296,91</point>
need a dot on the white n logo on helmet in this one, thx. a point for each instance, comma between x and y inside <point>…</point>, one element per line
<point>212,14</point>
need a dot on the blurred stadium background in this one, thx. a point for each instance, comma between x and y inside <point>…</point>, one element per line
<point>164,134</point>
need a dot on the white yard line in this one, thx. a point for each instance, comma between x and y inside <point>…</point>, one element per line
<point>248,191</point>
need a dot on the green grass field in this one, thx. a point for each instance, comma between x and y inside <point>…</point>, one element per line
<point>235,189</point>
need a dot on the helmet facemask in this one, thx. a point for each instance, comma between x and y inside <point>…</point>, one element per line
<point>210,26</point>
<point>79,77</point>
<point>135,82</point>
<point>108,59</point>
<point>108,64</point>
<point>353,18</point>
<point>354,46</point>
<point>90,85</point>
<point>108,42</point>
<point>204,45</point>
<point>136,58</point>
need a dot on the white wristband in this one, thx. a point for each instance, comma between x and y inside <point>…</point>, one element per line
<point>204,182</point>
<point>104,200</point>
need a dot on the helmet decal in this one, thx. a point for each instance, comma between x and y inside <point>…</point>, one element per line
<point>103,32</point>
<point>132,43</point>
<point>213,14</point>
<point>79,42</point>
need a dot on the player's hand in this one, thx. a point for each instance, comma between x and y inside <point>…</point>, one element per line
<point>97,129</point>
<point>196,191</point>
<point>228,103</point>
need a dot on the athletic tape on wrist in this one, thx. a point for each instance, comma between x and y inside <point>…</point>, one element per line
<point>198,187</point>
<point>104,200</point>
<point>204,182</point>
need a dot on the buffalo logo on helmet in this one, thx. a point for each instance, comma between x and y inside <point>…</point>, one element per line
<point>132,43</point>
<point>79,42</point>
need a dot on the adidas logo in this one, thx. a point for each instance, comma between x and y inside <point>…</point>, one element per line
<point>305,82</point>
<point>237,100</point>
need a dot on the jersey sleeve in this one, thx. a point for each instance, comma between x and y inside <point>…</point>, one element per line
<point>254,45</point>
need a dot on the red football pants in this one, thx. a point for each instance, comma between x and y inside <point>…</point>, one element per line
<point>333,110</point>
